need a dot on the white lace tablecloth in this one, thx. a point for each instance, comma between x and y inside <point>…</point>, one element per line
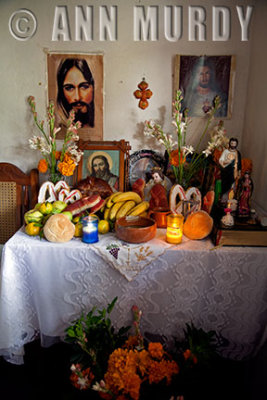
<point>45,286</point>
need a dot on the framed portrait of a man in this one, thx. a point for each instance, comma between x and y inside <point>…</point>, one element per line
<point>75,82</point>
<point>201,79</point>
<point>107,160</point>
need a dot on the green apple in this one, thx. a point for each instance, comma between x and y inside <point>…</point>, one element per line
<point>58,206</point>
<point>68,214</point>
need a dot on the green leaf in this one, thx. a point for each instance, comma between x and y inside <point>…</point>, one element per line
<point>111,305</point>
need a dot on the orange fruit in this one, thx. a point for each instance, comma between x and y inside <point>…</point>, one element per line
<point>103,226</point>
<point>31,229</point>
<point>46,208</point>
<point>78,229</point>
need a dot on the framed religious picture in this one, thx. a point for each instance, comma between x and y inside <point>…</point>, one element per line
<point>201,79</point>
<point>141,164</point>
<point>75,82</point>
<point>107,160</point>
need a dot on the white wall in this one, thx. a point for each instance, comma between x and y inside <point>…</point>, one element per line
<point>254,140</point>
<point>23,66</point>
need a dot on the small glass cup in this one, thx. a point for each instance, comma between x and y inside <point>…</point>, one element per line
<point>90,229</point>
<point>174,232</point>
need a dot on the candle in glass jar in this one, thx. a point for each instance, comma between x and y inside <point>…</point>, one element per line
<point>90,229</point>
<point>174,232</point>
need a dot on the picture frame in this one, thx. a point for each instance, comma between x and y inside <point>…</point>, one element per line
<point>141,163</point>
<point>75,81</point>
<point>109,158</point>
<point>201,78</point>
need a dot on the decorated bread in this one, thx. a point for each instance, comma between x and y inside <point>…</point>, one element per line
<point>59,229</point>
<point>198,225</point>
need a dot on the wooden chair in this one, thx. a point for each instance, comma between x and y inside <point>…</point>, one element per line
<point>18,194</point>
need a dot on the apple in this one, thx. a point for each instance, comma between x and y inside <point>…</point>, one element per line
<point>58,206</point>
<point>68,214</point>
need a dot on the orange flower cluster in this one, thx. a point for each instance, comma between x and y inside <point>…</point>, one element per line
<point>42,166</point>
<point>128,368</point>
<point>175,160</point>
<point>188,355</point>
<point>67,166</point>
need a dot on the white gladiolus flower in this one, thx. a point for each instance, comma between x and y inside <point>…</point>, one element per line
<point>188,150</point>
<point>207,152</point>
<point>82,382</point>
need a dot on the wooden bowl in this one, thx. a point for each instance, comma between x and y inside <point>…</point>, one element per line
<point>134,229</point>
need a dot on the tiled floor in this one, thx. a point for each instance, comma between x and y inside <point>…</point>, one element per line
<point>45,375</point>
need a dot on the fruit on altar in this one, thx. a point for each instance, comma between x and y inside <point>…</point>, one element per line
<point>127,206</point>
<point>139,209</point>
<point>115,209</point>
<point>109,202</point>
<point>78,229</point>
<point>59,229</point>
<point>46,208</point>
<point>32,229</point>
<point>103,226</point>
<point>198,225</point>
<point>130,195</point>
<point>58,206</point>
<point>33,216</point>
<point>68,214</point>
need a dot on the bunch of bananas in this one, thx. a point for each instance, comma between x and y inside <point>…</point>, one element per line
<point>121,204</point>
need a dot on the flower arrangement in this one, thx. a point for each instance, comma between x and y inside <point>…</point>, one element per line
<point>121,367</point>
<point>186,161</point>
<point>57,163</point>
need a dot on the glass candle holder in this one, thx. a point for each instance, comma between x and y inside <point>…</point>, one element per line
<point>174,232</point>
<point>90,229</point>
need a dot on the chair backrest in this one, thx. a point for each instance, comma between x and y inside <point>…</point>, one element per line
<point>18,194</point>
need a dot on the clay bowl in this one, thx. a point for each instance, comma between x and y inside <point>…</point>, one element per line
<point>135,229</point>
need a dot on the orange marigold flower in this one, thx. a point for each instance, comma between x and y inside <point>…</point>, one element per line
<point>189,355</point>
<point>57,155</point>
<point>175,160</point>
<point>163,369</point>
<point>66,168</point>
<point>143,362</point>
<point>42,166</point>
<point>156,350</point>
<point>131,384</point>
<point>131,342</point>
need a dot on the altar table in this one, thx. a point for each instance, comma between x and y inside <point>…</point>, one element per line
<point>45,286</point>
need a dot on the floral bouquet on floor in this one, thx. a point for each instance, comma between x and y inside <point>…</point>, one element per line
<point>58,164</point>
<point>121,366</point>
<point>115,366</point>
<point>185,161</point>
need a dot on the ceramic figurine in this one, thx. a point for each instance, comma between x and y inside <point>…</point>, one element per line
<point>228,219</point>
<point>230,162</point>
<point>245,192</point>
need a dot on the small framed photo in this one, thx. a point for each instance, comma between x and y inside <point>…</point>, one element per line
<point>201,79</point>
<point>107,160</point>
<point>75,82</point>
